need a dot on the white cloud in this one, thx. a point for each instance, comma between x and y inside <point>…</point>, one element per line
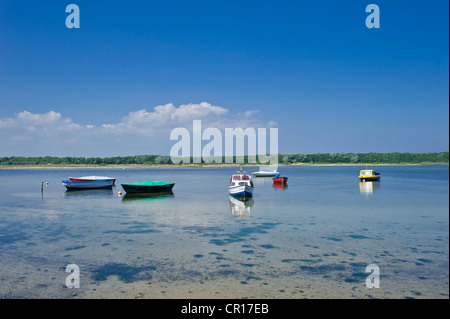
<point>166,116</point>
<point>39,122</point>
<point>39,119</point>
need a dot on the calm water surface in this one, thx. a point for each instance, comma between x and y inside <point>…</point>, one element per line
<point>312,239</point>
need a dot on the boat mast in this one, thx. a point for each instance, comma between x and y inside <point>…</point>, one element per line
<point>241,172</point>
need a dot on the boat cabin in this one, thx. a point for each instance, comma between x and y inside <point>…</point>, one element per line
<point>241,180</point>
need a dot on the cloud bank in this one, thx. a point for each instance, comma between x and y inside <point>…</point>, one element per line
<point>139,132</point>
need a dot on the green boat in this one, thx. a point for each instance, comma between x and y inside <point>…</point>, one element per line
<point>148,187</point>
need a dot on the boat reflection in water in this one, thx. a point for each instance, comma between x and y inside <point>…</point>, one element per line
<point>368,187</point>
<point>97,192</point>
<point>240,207</point>
<point>279,187</point>
<point>147,196</point>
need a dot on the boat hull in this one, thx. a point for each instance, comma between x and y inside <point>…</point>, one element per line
<point>143,189</point>
<point>370,178</point>
<point>241,191</point>
<point>92,184</point>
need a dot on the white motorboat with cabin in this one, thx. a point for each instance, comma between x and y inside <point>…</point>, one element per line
<point>241,185</point>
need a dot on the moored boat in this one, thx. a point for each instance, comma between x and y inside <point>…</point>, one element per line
<point>241,185</point>
<point>91,178</point>
<point>266,171</point>
<point>280,180</point>
<point>148,187</point>
<point>88,184</point>
<point>369,175</point>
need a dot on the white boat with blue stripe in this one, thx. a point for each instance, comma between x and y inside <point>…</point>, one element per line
<point>88,184</point>
<point>241,185</point>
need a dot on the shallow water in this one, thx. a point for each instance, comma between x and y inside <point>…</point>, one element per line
<point>312,239</point>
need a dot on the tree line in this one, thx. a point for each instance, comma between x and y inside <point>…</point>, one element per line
<point>320,158</point>
<point>354,158</point>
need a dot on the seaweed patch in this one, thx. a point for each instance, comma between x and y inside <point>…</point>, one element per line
<point>124,272</point>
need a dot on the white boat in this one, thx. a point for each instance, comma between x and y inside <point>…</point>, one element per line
<point>88,184</point>
<point>91,178</point>
<point>266,171</point>
<point>241,185</point>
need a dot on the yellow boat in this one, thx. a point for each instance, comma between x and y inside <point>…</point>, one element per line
<point>369,175</point>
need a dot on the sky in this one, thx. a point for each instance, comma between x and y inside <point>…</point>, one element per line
<point>136,70</point>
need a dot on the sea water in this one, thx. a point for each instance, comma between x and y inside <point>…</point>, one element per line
<point>312,238</point>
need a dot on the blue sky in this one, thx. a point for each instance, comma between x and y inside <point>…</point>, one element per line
<point>311,68</point>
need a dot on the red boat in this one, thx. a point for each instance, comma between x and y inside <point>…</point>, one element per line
<point>280,180</point>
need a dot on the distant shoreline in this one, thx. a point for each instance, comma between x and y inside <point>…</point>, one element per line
<point>149,161</point>
<point>176,166</point>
